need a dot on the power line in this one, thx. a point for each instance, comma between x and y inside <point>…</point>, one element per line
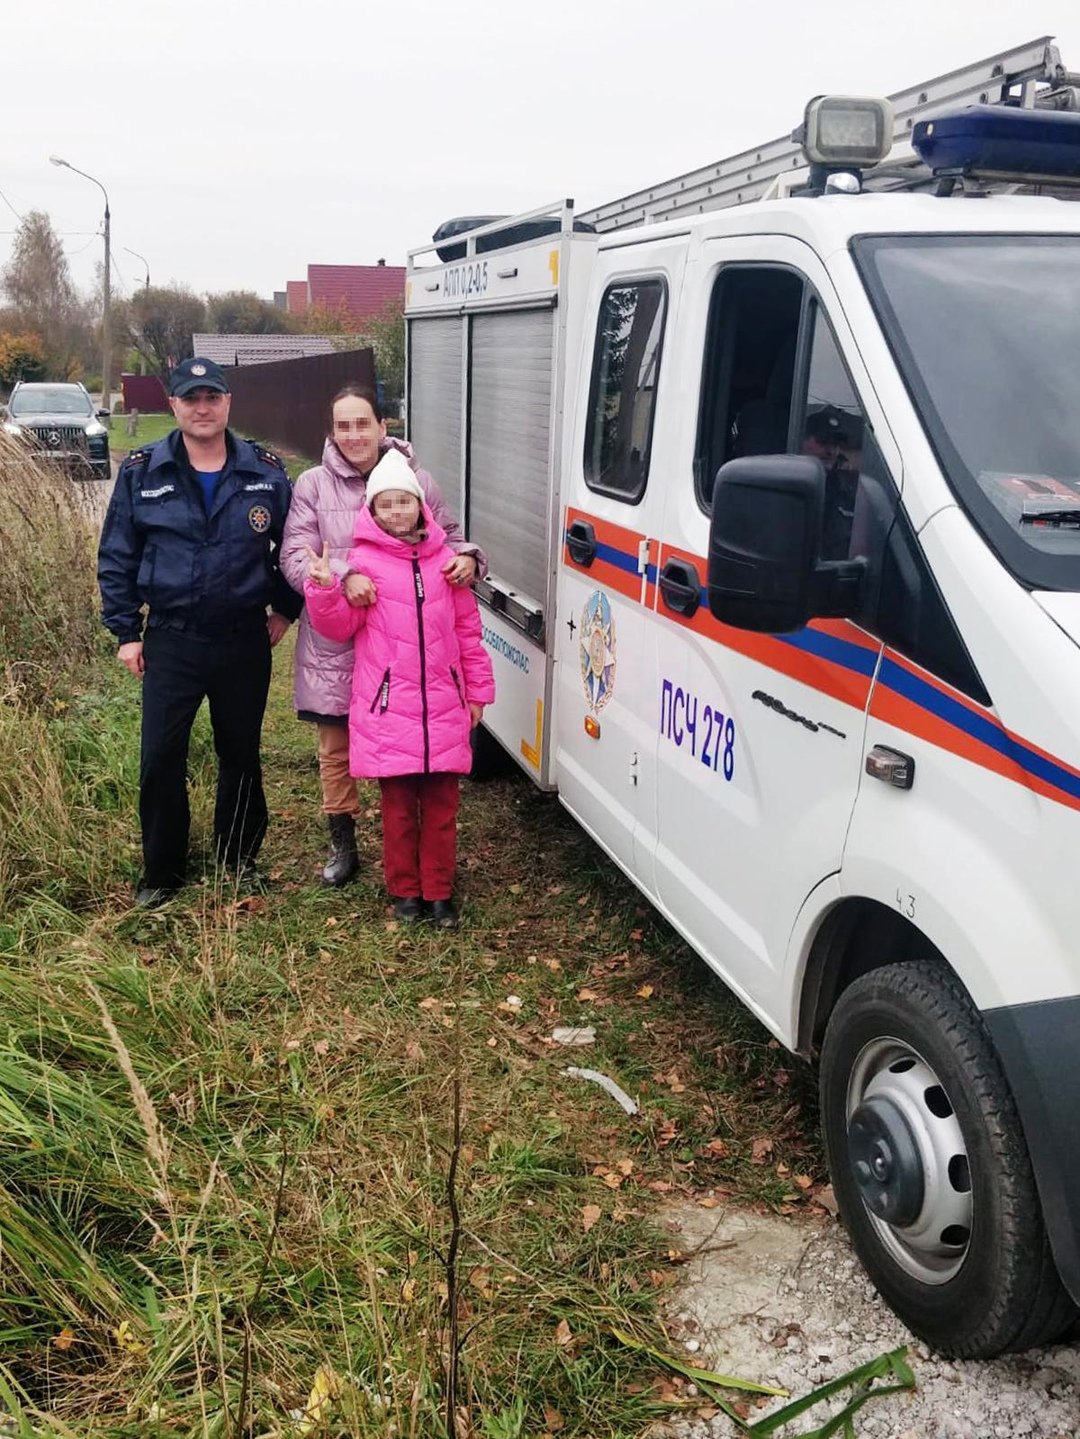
<point>12,208</point>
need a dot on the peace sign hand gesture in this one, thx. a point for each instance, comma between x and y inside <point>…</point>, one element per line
<point>319,571</point>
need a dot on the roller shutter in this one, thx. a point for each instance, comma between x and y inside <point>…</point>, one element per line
<point>435,397</point>
<point>509,440</point>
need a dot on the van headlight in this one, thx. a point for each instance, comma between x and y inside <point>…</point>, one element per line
<point>847,130</point>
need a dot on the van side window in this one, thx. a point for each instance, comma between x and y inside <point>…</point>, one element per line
<point>864,518</point>
<point>749,366</point>
<point>622,396</point>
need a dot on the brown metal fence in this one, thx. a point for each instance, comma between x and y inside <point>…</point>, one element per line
<point>287,402</point>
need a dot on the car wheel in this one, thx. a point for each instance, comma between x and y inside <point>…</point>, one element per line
<point>490,760</point>
<point>929,1165</point>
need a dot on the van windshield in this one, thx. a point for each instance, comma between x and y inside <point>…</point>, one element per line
<point>984,329</point>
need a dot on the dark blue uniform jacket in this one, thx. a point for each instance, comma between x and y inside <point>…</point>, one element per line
<point>208,573</point>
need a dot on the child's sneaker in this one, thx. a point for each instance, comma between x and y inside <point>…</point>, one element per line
<point>443,914</point>
<point>409,911</point>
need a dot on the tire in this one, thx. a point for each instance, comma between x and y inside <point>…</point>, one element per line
<point>930,1169</point>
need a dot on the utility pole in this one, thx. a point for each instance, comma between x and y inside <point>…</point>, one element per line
<point>146,286</point>
<point>106,389</point>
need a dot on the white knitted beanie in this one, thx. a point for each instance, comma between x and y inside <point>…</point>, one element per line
<point>393,472</point>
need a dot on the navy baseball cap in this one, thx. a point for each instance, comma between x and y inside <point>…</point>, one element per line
<point>197,374</point>
<point>830,423</point>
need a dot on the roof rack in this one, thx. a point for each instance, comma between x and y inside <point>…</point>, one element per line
<point>1031,76</point>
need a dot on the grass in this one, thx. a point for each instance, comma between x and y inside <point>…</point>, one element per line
<point>229,1125</point>
<point>151,428</point>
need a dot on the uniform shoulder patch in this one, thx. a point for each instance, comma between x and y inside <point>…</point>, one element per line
<point>137,457</point>
<point>267,456</point>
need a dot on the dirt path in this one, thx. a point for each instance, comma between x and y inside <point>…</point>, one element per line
<point>785,1301</point>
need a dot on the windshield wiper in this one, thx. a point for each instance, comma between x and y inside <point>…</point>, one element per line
<point>1066,517</point>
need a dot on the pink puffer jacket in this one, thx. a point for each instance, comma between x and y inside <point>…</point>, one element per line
<point>419,655</point>
<point>325,504</point>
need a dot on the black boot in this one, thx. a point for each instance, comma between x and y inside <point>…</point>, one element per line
<point>343,862</point>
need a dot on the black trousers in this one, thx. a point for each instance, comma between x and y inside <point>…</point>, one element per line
<point>182,669</point>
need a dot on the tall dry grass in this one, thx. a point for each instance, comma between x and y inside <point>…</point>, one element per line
<point>48,596</point>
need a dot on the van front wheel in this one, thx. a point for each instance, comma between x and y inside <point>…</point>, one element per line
<point>930,1168</point>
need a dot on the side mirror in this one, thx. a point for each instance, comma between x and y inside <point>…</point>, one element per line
<point>765,570</point>
<point>103,414</point>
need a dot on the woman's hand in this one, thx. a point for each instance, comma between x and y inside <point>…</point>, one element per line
<point>359,590</point>
<point>319,571</point>
<point>461,570</point>
<point>476,713</point>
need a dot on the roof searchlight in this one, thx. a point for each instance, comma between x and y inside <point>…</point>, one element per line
<point>843,135</point>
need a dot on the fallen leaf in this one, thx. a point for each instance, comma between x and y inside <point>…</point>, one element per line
<point>708,1201</point>
<point>716,1149</point>
<point>480,1279</point>
<point>760,1149</point>
<point>430,1003</point>
<point>321,1046</point>
<point>126,1339</point>
<point>645,992</point>
<point>331,923</point>
<point>589,1215</point>
<point>563,1337</point>
<point>804,1181</point>
<point>65,1339</point>
<point>408,1291</point>
<point>553,964</point>
<point>625,1166</point>
<point>612,1180</point>
<point>827,1199</point>
<point>553,1419</point>
<point>324,1390</point>
<point>491,1041</point>
<point>586,994</point>
<point>515,888</point>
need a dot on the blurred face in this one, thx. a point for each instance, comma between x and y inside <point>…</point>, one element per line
<point>397,511</point>
<point>201,414</point>
<point>824,450</point>
<point>357,433</point>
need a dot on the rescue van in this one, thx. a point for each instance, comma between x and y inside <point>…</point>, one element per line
<point>778,469</point>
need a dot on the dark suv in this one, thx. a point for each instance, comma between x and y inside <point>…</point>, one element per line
<point>59,420</point>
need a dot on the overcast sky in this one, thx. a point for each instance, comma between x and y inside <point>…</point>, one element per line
<point>241,140</point>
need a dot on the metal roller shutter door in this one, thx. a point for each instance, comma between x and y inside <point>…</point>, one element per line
<point>435,386</point>
<point>509,442</point>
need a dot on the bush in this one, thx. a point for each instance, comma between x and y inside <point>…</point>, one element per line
<point>48,596</point>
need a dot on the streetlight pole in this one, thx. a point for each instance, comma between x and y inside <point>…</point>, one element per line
<point>106,390</point>
<point>146,262</point>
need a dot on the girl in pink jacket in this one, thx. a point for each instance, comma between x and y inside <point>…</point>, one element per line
<point>421,679</point>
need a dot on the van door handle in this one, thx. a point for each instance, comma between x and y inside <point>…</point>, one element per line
<point>581,542</point>
<point>680,586</point>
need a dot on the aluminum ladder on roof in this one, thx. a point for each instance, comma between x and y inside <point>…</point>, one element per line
<point>750,174</point>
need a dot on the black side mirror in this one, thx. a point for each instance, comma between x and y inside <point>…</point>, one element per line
<point>765,570</point>
<point>103,415</point>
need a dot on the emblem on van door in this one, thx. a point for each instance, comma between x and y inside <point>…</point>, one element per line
<point>596,644</point>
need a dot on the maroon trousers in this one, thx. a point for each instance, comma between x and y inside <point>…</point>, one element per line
<point>419,819</point>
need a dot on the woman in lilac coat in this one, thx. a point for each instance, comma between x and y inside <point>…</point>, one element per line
<point>325,504</point>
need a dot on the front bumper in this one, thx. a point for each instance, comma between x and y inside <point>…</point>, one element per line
<point>1039,1047</point>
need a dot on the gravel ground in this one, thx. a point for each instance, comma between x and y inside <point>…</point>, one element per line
<point>785,1302</point>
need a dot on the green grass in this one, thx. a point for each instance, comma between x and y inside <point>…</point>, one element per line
<point>226,1127</point>
<point>151,428</point>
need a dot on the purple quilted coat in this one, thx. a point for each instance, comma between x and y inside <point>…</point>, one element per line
<point>325,504</point>
<point>419,655</point>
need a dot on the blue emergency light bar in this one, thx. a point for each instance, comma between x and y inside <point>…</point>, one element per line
<point>1001,142</point>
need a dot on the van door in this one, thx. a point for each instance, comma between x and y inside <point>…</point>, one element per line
<point>613,490</point>
<point>760,737</point>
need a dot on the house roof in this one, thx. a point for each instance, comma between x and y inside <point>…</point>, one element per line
<point>362,291</point>
<point>296,296</point>
<point>260,349</point>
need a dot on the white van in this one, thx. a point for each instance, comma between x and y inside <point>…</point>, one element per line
<point>782,504</point>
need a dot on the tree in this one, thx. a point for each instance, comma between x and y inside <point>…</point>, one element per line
<point>386,336</point>
<point>242,312</point>
<point>161,320</point>
<point>329,320</point>
<point>22,357</point>
<point>43,300</point>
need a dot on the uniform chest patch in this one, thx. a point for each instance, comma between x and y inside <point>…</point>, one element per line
<point>156,494</point>
<point>259,519</point>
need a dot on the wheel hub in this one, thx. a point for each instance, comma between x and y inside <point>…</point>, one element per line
<point>884,1159</point>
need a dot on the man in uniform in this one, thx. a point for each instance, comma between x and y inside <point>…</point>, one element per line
<point>192,533</point>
